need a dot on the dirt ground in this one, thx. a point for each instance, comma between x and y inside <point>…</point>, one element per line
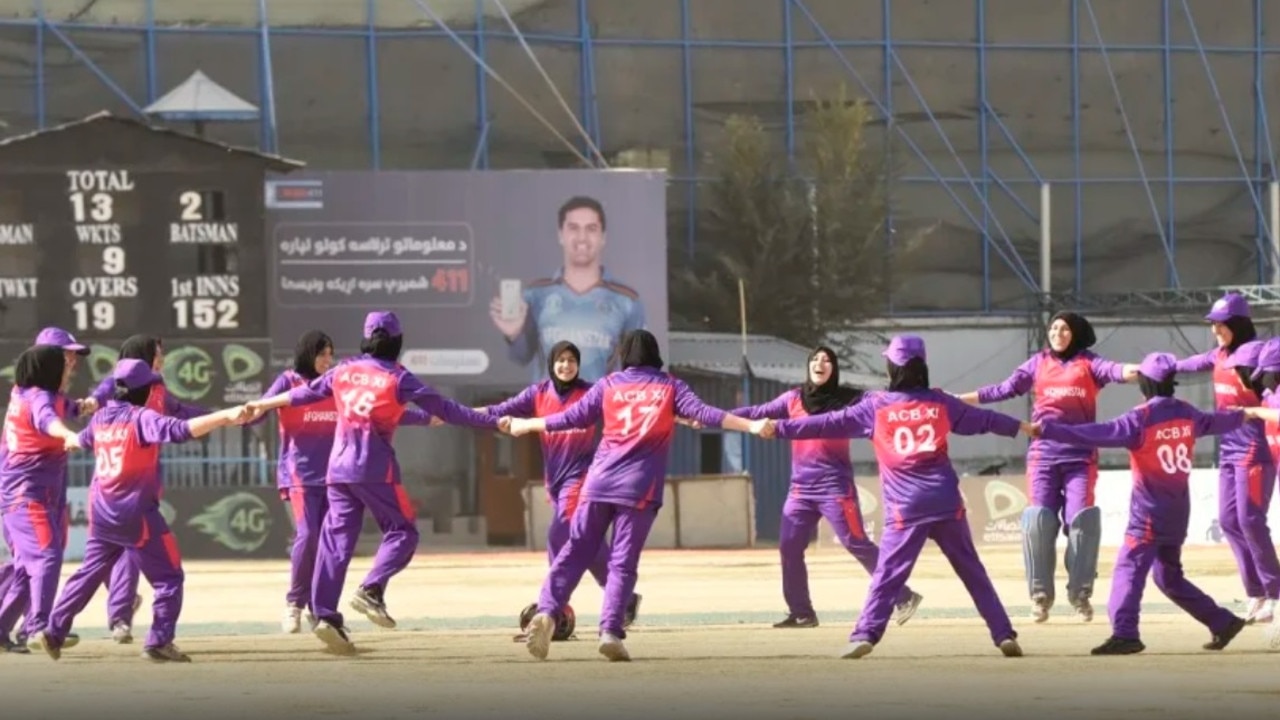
<point>702,648</point>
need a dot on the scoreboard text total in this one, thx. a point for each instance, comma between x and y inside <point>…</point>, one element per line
<point>202,296</point>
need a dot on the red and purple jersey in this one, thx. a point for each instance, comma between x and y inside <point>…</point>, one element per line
<point>159,399</point>
<point>909,433</point>
<point>1271,430</point>
<point>1248,443</point>
<point>821,468</point>
<point>34,466</point>
<point>125,441</point>
<point>307,432</point>
<point>1160,435</point>
<point>370,397</point>
<point>1062,391</point>
<point>566,454</point>
<point>639,406</point>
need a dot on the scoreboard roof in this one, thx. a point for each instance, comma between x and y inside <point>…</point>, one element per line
<point>271,162</point>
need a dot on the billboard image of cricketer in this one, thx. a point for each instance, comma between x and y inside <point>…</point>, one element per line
<point>486,269</point>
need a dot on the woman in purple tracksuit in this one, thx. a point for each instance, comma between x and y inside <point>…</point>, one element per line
<point>566,456</point>
<point>821,487</point>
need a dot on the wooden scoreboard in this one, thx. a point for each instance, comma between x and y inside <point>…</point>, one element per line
<point>110,227</point>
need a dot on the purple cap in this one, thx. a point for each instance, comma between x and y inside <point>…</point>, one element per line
<point>1268,358</point>
<point>1247,355</point>
<point>903,348</point>
<point>61,338</point>
<point>385,321</point>
<point>134,373</point>
<point>1158,366</point>
<point>1228,306</point>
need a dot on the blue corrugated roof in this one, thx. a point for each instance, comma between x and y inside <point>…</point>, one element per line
<point>770,357</point>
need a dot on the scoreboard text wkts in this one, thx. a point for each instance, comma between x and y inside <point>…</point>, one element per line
<point>111,227</point>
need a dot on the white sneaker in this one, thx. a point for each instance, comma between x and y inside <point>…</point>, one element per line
<point>1040,607</point>
<point>291,624</point>
<point>1266,613</point>
<point>857,649</point>
<point>1252,607</point>
<point>1010,648</point>
<point>612,648</point>
<point>122,633</point>
<point>1272,636</point>
<point>538,639</point>
<point>903,612</point>
<point>1084,609</point>
<point>335,639</point>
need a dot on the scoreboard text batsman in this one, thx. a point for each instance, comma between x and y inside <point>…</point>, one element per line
<point>108,253</point>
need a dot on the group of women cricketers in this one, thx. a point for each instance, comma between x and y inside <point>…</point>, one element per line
<point>605,448</point>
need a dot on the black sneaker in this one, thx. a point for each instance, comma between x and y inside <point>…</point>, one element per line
<point>1119,646</point>
<point>796,621</point>
<point>1224,638</point>
<point>633,609</point>
<point>9,646</point>
<point>369,602</point>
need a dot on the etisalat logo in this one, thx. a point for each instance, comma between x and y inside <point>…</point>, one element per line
<point>240,522</point>
<point>189,371</point>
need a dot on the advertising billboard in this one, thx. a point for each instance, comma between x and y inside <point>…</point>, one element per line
<point>486,269</point>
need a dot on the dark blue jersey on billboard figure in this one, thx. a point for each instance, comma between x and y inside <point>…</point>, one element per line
<point>487,269</point>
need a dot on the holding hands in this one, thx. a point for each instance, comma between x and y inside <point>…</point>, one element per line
<point>1030,429</point>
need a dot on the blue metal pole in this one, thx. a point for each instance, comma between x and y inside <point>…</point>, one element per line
<point>40,116</point>
<point>150,40</point>
<point>1260,130</point>
<point>267,87</point>
<point>1170,213</point>
<point>590,112</point>
<point>371,84</point>
<point>1260,34</point>
<point>981,34</point>
<point>1075,144</point>
<point>482,92</point>
<point>690,163</point>
<point>92,66</point>
<point>886,33</point>
<point>789,74</point>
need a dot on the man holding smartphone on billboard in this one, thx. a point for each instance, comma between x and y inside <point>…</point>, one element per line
<point>582,303</point>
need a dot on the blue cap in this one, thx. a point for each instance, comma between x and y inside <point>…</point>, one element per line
<point>134,374</point>
<point>1159,366</point>
<point>382,320</point>
<point>1228,306</point>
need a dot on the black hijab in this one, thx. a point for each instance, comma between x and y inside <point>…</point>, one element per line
<point>563,387</point>
<point>1242,331</point>
<point>639,348</point>
<point>1082,335</point>
<point>140,347</point>
<point>309,346</point>
<point>828,396</point>
<point>912,376</point>
<point>40,366</point>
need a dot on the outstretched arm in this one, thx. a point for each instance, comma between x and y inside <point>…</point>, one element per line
<point>969,420</point>
<point>1017,384</point>
<point>1217,423</point>
<point>1198,363</point>
<point>412,390</point>
<point>521,405</point>
<point>855,421</point>
<point>778,408</point>
<point>1122,432</point>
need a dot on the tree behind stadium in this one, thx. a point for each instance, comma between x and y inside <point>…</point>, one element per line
<point>809,241</point>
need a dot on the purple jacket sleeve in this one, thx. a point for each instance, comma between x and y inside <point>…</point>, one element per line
<point>1106,371</point>
<point>86,438</point>
<point>279,385</point>
<point>155,429</point>
<point>1198,363</point>
<point>104,391</point>
<point>778,408</point>
<point>314,391</point>
<point>1216,423</point>
<point>44,410</point>
<point>415,416</point>
<point>1019,383</point>
<point>968,420</point>
<point>173,407</point>
<point>521,405</point>
<point>855,421</point>
<point>412,390</point>
<point>690,407</point>
<point>1122,432</point>
<point>582,414</point>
